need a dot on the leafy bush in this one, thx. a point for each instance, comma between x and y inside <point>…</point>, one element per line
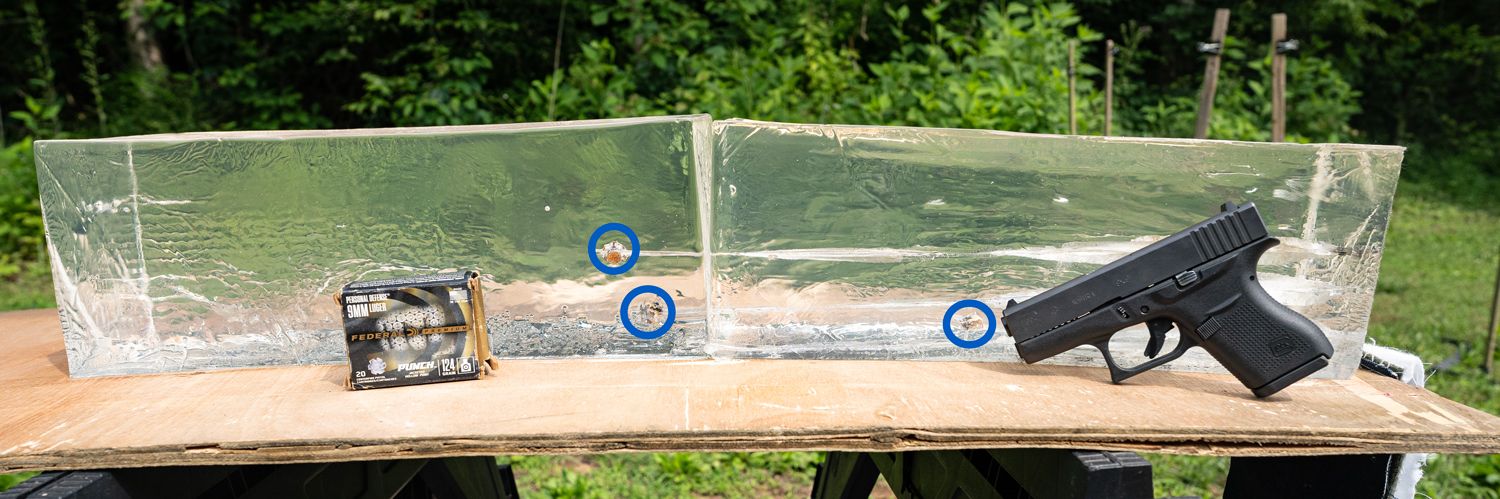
<point>20,211</point>
<point>1007,71</point>
<point>785,63</point>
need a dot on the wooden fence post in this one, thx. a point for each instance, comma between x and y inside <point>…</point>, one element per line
<point>1072,97</point>
<point>1109,85</point>
<point>1278,79</point>
<point>1489,347</point>
<point>562,12</point>
<point>1211,74</point>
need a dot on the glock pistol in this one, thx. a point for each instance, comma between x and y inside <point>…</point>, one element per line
<point>1202,280</point>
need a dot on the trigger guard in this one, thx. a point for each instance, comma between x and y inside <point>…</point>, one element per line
<point>1118,374</point>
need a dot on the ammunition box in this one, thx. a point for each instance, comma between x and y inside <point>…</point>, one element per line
<point>415,330</point>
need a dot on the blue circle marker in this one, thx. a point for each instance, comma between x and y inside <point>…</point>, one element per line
<point>625,312</point>
<point>635,248</point>
<point>962,304</point>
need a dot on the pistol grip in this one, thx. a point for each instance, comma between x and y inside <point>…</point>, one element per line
<point>1263,343</point>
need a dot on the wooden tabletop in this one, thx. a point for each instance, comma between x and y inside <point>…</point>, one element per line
<point>304,414</point>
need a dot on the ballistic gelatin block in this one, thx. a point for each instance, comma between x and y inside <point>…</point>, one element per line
<point>221,250</point>
<point>852,242</point>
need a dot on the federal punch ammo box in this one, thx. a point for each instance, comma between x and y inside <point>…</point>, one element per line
<point>414,330</point>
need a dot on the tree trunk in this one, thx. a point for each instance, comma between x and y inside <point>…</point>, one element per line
<point>143,48</point>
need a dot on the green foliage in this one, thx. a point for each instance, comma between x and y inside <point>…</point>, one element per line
<point>1010,75</point>
<point>37,118</point>
<point>785,62</point>
<point>88,50</point>
<point>441,62</point>
<point>432,82</point>
<point>7,481</point>
<point>1432,66</point>
<point>20,210</point>
<point>570,485</point>
<point>1422,74</point>
<point>28,288</point>
<point>1465,476</point>
<point>1320,103</point>
<point>43,76</point>
<point>681,468</point>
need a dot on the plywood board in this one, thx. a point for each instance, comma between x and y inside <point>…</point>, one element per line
<point>304,414</point>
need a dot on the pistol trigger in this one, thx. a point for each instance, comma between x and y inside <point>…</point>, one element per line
<point>1158,328</point>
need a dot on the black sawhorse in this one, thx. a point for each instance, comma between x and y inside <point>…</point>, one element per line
<point>1070,474</point>
<point>445,478</point>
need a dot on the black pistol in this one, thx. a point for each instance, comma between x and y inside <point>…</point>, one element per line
<point>1203,281</point>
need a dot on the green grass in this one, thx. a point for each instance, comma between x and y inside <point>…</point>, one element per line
<point>1434,294</point>
<point>28,289</point>
<point>1180,476</point>
<point>1434,298</point>
<point>724,475</point>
